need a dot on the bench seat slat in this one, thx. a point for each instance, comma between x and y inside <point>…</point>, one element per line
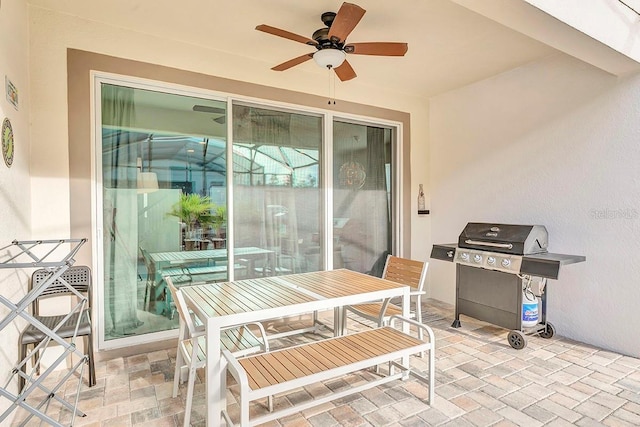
<point>348,352</point>
<point>342,350</point>
<point>299,360</point>
<point>293,369</point>
<point>257,374</point>
<point>317,358</point>
<point>336,352</point>
<point>402,338</point>
<point>279,367</point>
<point>323,355</point>
<point>360,347</point>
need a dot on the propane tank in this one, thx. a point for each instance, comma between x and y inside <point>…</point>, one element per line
<point>530,312</point>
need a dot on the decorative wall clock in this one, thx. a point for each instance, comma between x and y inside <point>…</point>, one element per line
<point>7,142</point>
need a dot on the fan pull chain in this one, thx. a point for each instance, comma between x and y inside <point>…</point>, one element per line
<point>332,86</point>
<point>329,75</point>
<point>333,79</point>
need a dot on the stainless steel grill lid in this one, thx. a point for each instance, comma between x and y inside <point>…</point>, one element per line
<point>505,238</point>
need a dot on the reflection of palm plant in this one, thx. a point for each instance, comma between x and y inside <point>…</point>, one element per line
<point>217,219</point>
<point>193,210</point>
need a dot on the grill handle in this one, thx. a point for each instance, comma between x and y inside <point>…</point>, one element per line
<point>493,245</point>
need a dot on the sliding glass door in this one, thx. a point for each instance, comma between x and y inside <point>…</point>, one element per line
<point>163,164</point>
<point>309,191</point>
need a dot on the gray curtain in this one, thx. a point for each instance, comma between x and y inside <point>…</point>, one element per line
<point>120,212</point>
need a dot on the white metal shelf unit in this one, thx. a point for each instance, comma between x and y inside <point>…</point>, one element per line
<point>43,254</point>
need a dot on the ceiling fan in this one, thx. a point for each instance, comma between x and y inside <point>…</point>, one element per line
<point>331,44</point>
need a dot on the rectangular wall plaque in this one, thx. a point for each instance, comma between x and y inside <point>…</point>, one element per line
<point>12,92</point>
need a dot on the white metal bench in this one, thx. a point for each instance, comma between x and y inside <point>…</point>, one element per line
<point>284,370</point>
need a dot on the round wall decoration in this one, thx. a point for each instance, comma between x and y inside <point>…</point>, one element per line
<point>7,142</point>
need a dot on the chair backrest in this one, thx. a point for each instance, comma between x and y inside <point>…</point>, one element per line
<point>147,261</point>
<point>406,271</point>
<point>78,277</point>
<point>181,306</point>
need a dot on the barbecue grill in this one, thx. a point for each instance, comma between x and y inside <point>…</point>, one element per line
<point>495,263</point>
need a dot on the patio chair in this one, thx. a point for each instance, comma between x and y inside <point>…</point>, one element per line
<point>400,270</point>
<point>78,277</point>
<point>192,346</point>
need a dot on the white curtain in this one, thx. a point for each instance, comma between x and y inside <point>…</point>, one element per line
<point>120,205</point>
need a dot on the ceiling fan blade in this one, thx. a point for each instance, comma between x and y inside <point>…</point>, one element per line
<point>286,34</point>
<point>377,48</point>
<point>345,72</point>
<point>345,21</point>
<point>209,109</point>
<point>293,62</point>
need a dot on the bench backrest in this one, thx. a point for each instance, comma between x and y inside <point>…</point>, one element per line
<point>406,271</point>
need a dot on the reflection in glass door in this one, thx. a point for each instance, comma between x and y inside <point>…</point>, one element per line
<point>163,161</point>
<point>163,174</point>
<point>276,190</point>
<point>362,213</point>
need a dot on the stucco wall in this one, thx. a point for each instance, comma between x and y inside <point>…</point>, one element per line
<point>552,143</point>
<point>15,201</point>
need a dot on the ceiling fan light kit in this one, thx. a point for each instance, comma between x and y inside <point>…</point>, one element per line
<point>331,42</point>
<point>329,58</point>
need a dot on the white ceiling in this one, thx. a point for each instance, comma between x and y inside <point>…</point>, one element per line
<point>449,46</point>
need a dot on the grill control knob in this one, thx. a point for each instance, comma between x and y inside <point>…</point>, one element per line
<point>491,260</point>
<point>477,258</point>
<point>506,262</point>
<point>464,256</point>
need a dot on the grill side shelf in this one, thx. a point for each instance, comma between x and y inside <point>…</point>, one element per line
<point>547,265</point>
<point>444,252</point>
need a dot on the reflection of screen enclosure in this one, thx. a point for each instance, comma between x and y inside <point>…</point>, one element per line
<point>276,187</point>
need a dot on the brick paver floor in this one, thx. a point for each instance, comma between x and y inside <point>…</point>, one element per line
<point>480,381</point>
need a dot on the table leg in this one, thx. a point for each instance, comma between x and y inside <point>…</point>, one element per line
<point>337,322</point>
<point>216,398</point>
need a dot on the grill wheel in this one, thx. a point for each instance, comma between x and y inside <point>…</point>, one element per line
<point>517,340</point>
<point>549,331</point>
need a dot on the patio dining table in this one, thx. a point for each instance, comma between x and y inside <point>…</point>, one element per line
<point>219,305</point>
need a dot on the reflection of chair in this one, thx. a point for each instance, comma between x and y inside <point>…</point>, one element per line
<point>284,263</point>
<point>79,278</point>
<point>149,294</point>
<point>289,254</point>
<point>401,270</point>
<point>192,345</point>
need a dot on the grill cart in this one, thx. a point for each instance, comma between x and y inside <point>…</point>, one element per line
<point>496,264</point>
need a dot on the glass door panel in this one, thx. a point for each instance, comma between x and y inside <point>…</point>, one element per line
<point>362,214</point>
<point>276,191</point>
<point>163,198</point>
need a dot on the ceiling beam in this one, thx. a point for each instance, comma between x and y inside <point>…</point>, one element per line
<point>521,16</point>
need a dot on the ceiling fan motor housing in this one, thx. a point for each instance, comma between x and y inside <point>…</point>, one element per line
<point>322,37</point>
